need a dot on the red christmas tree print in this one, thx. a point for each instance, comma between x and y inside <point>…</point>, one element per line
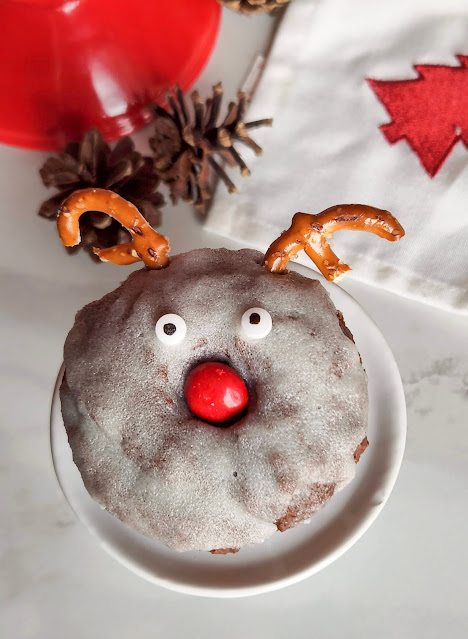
<point>430,112</point>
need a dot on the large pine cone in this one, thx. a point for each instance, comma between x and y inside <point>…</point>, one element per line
<point>189,144</point>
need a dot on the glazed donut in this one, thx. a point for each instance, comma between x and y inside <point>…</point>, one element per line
<point>186,481</point>
<point>215,398</point>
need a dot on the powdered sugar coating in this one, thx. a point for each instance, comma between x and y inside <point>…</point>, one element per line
<point>191,485</point>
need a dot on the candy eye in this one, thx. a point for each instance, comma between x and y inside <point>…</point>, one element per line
<point>256,323</point>
<point>171,329</point>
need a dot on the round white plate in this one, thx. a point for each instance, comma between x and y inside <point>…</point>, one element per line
<point>286,557</point>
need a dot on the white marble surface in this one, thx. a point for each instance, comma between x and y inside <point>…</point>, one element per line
<point>405,578</point>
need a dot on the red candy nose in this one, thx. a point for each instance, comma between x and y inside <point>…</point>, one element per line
<point>215,392</point>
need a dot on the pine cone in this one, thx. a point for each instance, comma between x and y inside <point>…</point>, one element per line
<point>185,148</point>
<point>92,163</point>
<point>250,7</point>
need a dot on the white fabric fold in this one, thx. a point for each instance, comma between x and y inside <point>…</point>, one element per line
<point>326,147</point>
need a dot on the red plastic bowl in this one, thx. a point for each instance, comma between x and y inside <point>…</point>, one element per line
<point>69,65</point>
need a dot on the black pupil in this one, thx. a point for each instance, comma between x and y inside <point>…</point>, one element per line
<point>169,329</point>
<point>254,318</point>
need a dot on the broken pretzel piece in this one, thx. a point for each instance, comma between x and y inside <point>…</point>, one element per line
<point>146,245</point>
<point>310,232</point>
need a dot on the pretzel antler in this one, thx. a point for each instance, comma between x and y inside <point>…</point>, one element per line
<point>146,245</point>
<point>310,232</point>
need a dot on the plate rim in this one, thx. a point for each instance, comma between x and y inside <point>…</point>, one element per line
<point>243,591</point>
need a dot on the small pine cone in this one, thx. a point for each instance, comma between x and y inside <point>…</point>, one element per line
<point>92,163</point>
<point>251,7</point>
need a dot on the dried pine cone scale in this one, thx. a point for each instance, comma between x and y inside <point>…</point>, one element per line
<point>251,7</point>
<point>187,147</point>
<point>92,163</point>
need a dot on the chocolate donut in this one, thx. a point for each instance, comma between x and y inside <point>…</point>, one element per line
<point>188,482</point>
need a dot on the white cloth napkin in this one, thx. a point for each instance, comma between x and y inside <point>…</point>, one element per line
<point>326,147</point>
